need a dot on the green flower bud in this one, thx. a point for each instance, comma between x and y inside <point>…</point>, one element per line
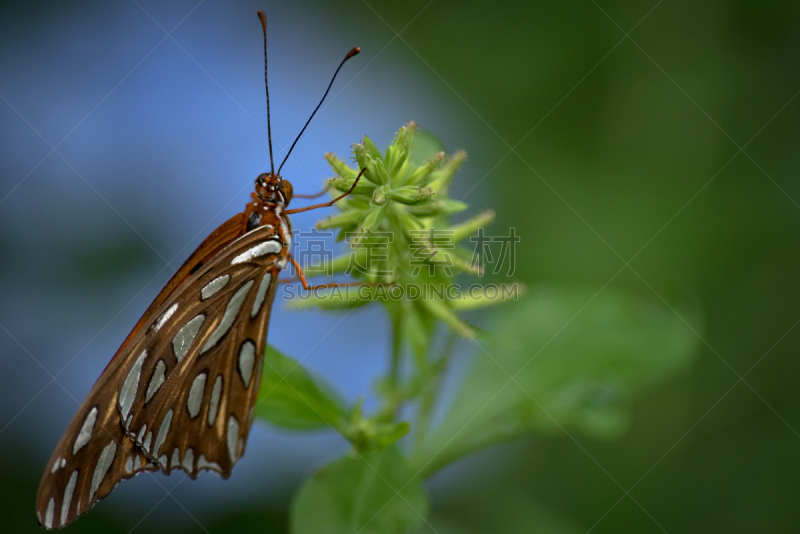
<point>437,207</point>
<point>397,152</point>
<point>380,170</point>
<point>407,221</point>
<point>366,161</point>
<point>410,194</point>
<point>371,221</point>
<point>442,312</point>
<point>344,219</point>
<point>372,149</point>
<point>344,184</point>
<point>470,226</point>
<point>421,174</point>
<point>341,168</point>
<point>380,196</point>
<point>440,180</point>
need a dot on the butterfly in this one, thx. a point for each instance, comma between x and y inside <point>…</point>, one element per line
<point>180,391</point>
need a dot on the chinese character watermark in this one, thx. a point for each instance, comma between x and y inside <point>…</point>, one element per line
<point>482,254</point>
<point>428,248</point>
<point>370,259</point>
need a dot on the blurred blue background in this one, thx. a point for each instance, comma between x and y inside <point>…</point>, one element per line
<point>130,130</point>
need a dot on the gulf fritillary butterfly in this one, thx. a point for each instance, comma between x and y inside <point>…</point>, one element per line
<point>180,391</point>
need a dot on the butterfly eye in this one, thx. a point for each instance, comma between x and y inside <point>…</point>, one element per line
<point>286,190</point>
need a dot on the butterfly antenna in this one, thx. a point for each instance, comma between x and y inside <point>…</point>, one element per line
<point>263,18</point>
<point>350,54</point>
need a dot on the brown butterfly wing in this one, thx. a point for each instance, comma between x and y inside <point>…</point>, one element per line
<point>192,408</point>
<point>93,445</point>
<point>94,454</point>
<point>226,233</point>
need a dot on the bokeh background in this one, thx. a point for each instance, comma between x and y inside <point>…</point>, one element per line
<point>651,146</point>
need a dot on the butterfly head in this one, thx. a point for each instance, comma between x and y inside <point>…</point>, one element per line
<point>272,189</point>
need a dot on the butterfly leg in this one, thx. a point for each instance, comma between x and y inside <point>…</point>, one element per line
<point>332,202</point>
<point>302,278</point>
<point>317,195</point>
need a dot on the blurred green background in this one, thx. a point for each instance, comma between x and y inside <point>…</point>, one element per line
<point>645,148</point>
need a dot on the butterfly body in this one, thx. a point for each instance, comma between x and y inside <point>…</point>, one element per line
<point>180,391</point>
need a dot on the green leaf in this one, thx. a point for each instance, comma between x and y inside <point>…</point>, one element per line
<point>292,398</point>
<point>563,359</point>
<point>370,494</point>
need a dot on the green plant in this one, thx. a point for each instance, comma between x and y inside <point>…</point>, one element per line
<point>558,358</point>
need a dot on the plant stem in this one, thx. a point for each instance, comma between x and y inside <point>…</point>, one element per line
<point>430,394</point>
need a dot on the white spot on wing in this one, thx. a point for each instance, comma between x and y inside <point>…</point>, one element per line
<point>176,458</point>
<point>183,339</point>
<point>56,465</point>
<point>156,380</point>
<point>70,489</point>
<point>165,317</point>
<point>85,433</point>
<point>140,437</point>
<point>131,385</point>
<point>86,430</point>
<point>211,288</point>
<point>229,316</point>
<point>188,461</point>
<point>202,463</point>
<point>103,463</point>
<point>162,461</point>
<point>129,465</point>
<point>195,399</point>
<point>213,404</point>
<point>247,356</point>
<point>233,436</point>
<point>262,292</point>
<point>146,442</point>
<point>162,432</point>
<point>48,516</point>
<point>267,247</point>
